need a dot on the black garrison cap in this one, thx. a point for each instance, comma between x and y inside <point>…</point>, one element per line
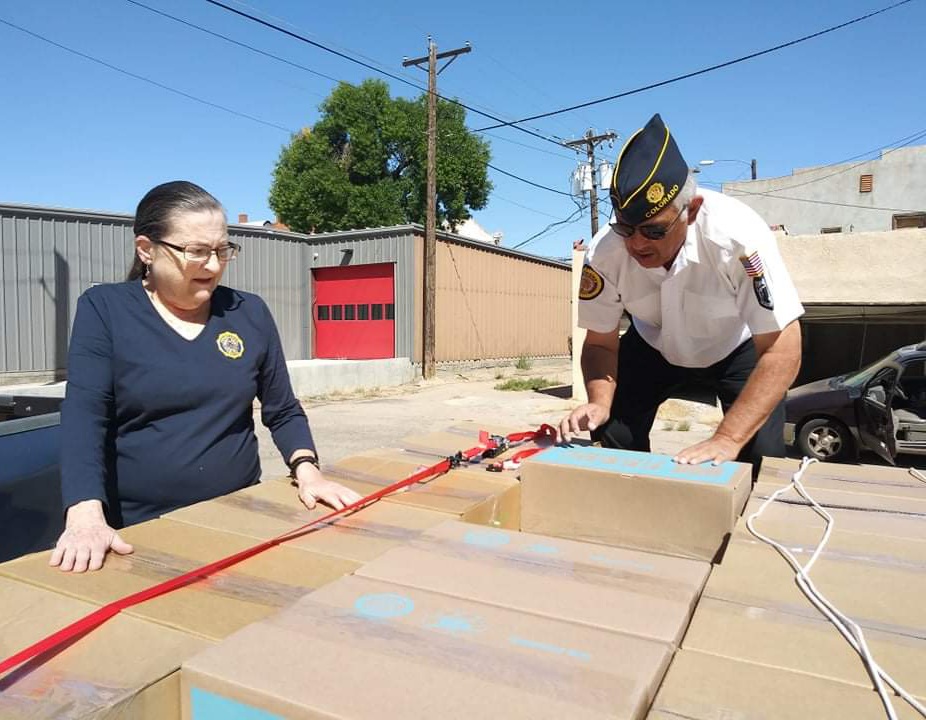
<point>650,172</point>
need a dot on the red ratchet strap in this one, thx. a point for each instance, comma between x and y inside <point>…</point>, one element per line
<point>81,627</point>
<point>514,462</point>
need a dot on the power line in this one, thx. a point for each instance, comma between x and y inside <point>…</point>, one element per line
<point>375,69</point>
<point>295,28</point>
<point>136,76</point>
<point>529,147</point>
<point>524,83</point>
<point>524,207</point>
<point>529,182</point>
<point>306,69</point>
<point>233,41</point>
<point>903,142</point>
<point>828,202</point>
<point>574,217</point>
<point>695,73</point>
<point>737,193</point>
<point>208,103</point>
<point>261,12</point>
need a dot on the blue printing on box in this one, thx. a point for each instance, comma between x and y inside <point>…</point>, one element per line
<point>636,463</point>
<point>209,706</point>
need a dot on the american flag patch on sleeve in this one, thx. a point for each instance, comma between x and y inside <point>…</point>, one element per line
<point>752,264</point>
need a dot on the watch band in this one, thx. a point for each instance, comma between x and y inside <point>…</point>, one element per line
<point>299,460</point>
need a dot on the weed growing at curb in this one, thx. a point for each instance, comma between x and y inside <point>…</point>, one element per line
<point>535,383</point>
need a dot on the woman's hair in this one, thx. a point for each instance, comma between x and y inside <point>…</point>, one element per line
<point>159,206</point>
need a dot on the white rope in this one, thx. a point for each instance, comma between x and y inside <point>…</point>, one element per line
<point>845,625</point>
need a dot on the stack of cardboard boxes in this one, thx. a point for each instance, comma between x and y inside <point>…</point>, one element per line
<point>462,622</point>
<point>136,656</point>
<point>757,647</point>
<point>430,603</point>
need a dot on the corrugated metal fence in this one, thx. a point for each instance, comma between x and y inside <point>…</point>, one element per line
<point>48,257</point>
<point>491,303</point>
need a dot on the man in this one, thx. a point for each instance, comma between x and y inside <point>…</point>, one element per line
<point>711,304</point>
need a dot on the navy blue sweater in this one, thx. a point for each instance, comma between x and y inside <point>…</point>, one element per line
<point>152,421</point>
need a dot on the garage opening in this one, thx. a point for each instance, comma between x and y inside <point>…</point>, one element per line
<point>353,311</point>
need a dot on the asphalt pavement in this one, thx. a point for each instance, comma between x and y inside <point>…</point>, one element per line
<point>346,425</point>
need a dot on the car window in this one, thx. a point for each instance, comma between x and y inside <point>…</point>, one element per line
<point>881,386</point>
<point>914,369</point>
<point>860,377</point>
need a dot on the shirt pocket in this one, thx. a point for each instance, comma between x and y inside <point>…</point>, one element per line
<point>708,315</point>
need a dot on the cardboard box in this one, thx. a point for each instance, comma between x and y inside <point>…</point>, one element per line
<point>877,590</point>
<point>628,591</point>
<point>475,496</point>
<point>364,649</point>
<point>855,520</point>
<point>842,499</point>
<point>860,479</point>
<point>706,687</point>
<point>632,499</point>
<point>802,529</point>
<point>272,508</point>
<point>776,638</point>
<point>126,668</point>
<point>212,608</point>
<point>865,487</point>
<point>759,614</point>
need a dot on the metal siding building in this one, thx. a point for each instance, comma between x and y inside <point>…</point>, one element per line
<point>492,303</point>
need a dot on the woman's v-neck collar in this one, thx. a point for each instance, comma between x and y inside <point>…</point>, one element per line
<point>149,302</point>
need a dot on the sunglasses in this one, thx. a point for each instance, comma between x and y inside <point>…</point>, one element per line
<point>650,232</point>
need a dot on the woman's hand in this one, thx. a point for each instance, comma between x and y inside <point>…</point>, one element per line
<point>314,488</point>
<point>86,539</point>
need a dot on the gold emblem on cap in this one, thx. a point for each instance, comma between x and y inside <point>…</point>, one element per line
<point>230,345</point>
<point>655,193</point>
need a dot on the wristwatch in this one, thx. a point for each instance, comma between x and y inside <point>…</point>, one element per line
<point>299,460</point>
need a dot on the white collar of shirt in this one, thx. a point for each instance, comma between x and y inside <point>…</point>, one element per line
<point>687,254</point>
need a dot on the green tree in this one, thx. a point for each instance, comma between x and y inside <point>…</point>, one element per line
<point>364,164</point>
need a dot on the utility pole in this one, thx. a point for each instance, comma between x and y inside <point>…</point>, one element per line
<point>590,140</point>
<point>430,226</point>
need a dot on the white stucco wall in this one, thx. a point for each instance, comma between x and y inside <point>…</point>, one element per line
<point>828,196</point>
<point>867,267</point>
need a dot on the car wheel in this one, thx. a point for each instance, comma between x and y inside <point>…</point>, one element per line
<point>826,440</point>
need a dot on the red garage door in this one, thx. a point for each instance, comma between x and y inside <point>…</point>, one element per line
<point>354,312</point>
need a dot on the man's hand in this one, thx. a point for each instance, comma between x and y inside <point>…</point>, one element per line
<point>314,488</point>
<point>585,417</point>
<point>86,539</point>
<point>716,449</point>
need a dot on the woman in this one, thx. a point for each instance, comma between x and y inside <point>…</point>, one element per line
<point>162,374</point>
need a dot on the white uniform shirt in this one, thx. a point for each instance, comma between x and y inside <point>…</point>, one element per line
<point>727,284</point>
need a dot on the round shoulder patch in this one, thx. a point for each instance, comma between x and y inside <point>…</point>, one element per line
<point>230,345</point>
<point>591,283</point>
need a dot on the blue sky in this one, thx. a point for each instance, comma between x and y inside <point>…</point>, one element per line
<point>76,134</point>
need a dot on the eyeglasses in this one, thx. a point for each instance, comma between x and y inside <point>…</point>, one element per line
<point>650,232</point>
<point>201,253</point>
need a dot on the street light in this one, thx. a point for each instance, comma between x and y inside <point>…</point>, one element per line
<point>752,165</point>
